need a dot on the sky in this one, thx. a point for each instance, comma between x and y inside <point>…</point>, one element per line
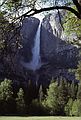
<point>39,6</point>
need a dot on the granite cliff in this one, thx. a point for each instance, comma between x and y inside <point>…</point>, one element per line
<point>57,56</point>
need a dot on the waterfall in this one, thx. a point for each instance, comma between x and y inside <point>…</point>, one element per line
<point>35,63</point>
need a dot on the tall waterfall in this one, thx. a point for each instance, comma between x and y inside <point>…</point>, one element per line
<point>35,63</point>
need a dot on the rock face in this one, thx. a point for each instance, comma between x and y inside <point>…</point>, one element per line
<point>57,56</point>
<point>28,31</point>
<point>54,50</point>
<point>10,64</point>
<point>53,23</point>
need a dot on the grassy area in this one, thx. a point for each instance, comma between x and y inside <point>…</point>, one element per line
<point>40,118</point>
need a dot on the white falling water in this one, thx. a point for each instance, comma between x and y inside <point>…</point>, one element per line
<point>36,61</point>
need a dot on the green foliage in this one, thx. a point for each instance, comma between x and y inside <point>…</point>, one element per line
<point>57,97</point>
<point>76,108</point>
<point>57,101</point>
<point>79,92</point>
<point>20,102</point>
<point>78,71</point>
<point>72,28</point>
<point>6,90</point>
<point>7,102</point>
<point>73,90</point>
<point>3,28</point>
<point>63,93</point>
<point>68,107</point>
<point>41,95</point>
<point>52,98</point>
<point>73,25</point>
<point>73,108</point>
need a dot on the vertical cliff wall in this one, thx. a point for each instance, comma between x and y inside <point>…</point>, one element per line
<point>28,32</point>
<point>56,55</point>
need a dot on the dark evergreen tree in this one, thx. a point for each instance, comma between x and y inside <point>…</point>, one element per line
<point>68,107</point>
<point>57,97</point>
<point>7,102</point>
<point>78,71</point>
<point>20,102</point>
<point>52,99</point>
<point>31,92</point>
<point>79,92</point>
<point>73,90</point>
<point>63,95</point>
<point>41,95</point>
<point>76,108</point>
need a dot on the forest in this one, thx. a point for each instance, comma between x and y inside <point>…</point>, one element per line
<point>40,60</point>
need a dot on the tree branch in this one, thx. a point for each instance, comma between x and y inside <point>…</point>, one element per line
<point>25,14</point>
<point>3,3</point>
<point>36,11</point>
<point>78,6</point>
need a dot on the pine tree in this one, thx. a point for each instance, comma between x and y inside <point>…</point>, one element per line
<point>57,97</point>
<point>52,99</point>
<point>63,95</point>
<point>20,102</point>
<point>77,103</point>
<point>31,91</point>
<point>73,90</point>
<point>7,102</point>
<point>40,94</point>
<point>76,108</point>
<point>6,90</point>
<point>68,107</point>
<point>79,92</point>
<point>78,71</point>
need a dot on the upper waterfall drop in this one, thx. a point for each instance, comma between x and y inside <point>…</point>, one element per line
<point>35,63</point>
<point>36,60</point>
